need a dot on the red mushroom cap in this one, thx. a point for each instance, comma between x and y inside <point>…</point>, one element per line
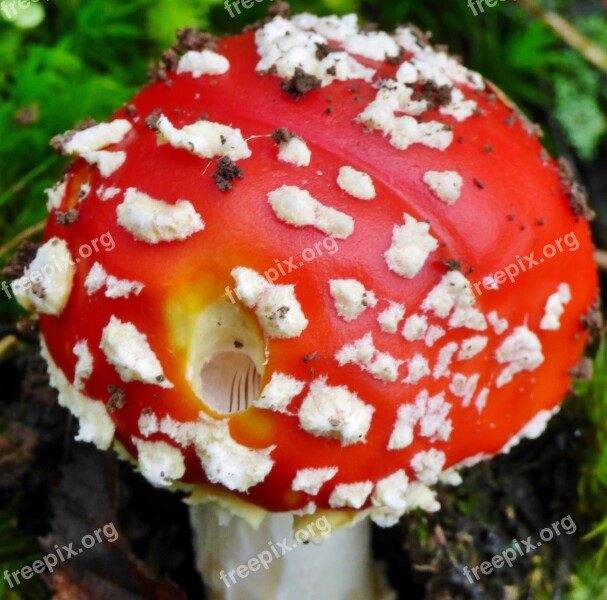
<point>315,267</point>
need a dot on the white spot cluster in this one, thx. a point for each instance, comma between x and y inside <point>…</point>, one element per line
<point>356,183</point>
<point>445,356</point>
<point>407,73</point>
<point>481,399</point>
<point>411,246</point>
<point>429,465</point>
<point>352,495</point>
<point>276,306</point>
<point>48,280</point>
<point>114,288</point>
<point>365,355</point>
<point>464,387</point>
<point>415,327</point>
<point>286,45</point>
<point>95,279</point>
<point>107,162</point>
<point>429,413</point>
<point>421,496</point>
<point>450,477</point>
<point>393,99</point>
<point>206,62</point>
<point>434,333</point>
<point>95,424</point>
<point>311,480</point>
<point>394,96</point>
<point>204,138</point>
<point>148,423</point>
<point>224,460</point>
<point>295,152</point>
<point>443,69</point>
<point>446,185</point>
<point>335,411</point>
<point>555,307</point>
<point>154,221</point>
<point>351,298</point>
<point>394,110</point>
<point>298,208</point>
<point>408,40</point>
<point>499,325</point>
<point>467,317</point>
<point>279,392</point>
<point>332,27</point>
<point>472,346</point>
<point>104,194</point>
<point>390,499</point>
<point>459,108</point>
<point>55,195</point>
<point>454,293</point>
<point>84,364</point>
<point>389,318</point>
<point>97,137</point>
<point>128,350</point>
<point>122,288</point>
<point>160,463</point>
<point>375,45</point>
<point>520,351</point>
<point>418,368</point>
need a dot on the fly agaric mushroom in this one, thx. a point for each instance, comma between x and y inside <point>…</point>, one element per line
<point>227,354</point>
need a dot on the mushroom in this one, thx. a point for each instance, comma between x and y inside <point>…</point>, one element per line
<point>307,313</point>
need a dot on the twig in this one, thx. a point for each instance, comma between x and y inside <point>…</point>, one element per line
<point>6,344</point>
<point>569,34</point>
<point>41,168</point>
<point>26,233</point>
<point>601,259</point>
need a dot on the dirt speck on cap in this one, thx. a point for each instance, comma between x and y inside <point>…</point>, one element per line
<point>226,173</point>
<point>151,121</point>
<point>434,94</point>
<point>300,84</point>
<point>117,399</point>
<point>323,50</point>
<point>68,217</point>
<point>282,135</point>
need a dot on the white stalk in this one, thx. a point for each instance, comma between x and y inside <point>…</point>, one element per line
<point>239,562</point>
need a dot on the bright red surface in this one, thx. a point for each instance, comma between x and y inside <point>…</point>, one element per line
<point>242,230</point>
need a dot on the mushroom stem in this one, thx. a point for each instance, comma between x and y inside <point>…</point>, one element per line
<point>239,562</point>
